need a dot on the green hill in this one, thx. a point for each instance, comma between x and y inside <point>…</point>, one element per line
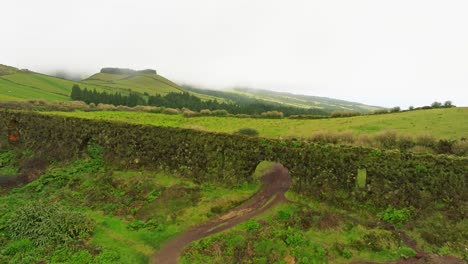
<point>21,85</point>
<point>149,83</point>
<point>306,101</point>
<point>247,96</point>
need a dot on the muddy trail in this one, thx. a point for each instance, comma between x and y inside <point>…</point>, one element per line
<point>274,185</point>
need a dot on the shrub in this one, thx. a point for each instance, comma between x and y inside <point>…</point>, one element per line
<point>142,108</point>
<point>252,224</point>
<point>272,114</point>
<point>243,116</point>
<point>436,105</point>
<point>122,108</point>
<point>387,139</point>
<point>448,104</point>
<point>247,132</point>
<point>395,216</point>
<point>44,222</point>
<point>219,113</point>
<point>333,137</point>
<point>460,147</point>
<point>395,109</point>
<point>324,136</point>
<point>380,111</point>
<point>106,107</point>
<point>189,113</point>
<point>205,112</point>
<point>405,142</point>
<point>426,140</point>
<point>345,113</point>
<point>444,146</point>
<point>171,111</point>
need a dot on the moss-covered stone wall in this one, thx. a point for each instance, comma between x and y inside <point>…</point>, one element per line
<point>318,170</point>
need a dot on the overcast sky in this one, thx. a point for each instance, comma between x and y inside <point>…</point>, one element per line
<point>380,52</point>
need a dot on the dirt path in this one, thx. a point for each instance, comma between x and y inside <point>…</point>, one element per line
<point>274,185</point>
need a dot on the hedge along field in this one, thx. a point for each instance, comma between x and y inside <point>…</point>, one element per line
<point>324,171</point>
<point>451,123</point>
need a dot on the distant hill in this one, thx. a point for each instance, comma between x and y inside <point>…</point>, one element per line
<point>306,101</point>
<point>20,85</point>
<point>246,96</point>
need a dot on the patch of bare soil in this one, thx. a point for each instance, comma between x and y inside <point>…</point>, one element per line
<point>274,185</point>
<point>30,169</point>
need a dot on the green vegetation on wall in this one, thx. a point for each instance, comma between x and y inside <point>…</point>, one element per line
<point>318,170</point>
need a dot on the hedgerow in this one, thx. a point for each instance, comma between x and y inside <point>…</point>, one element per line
<point>318,170</point>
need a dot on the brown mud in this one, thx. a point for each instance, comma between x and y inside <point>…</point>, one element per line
<point>30,169</point>
<point>274,185</point>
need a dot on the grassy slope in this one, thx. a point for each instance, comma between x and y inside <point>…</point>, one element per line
<point>23,86</point>
<point>17,85</point>
<point>442,123</point>
<point>305,101</point>
<point>141,83</point>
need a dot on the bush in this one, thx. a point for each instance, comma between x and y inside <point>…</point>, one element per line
<point>345,113</point>
<point>205,112</point>
<point>252,224</point>
<point>247,132</point>
<point>333,137</point>
<point>189,113</point>
<point>387,139</point>
<point>405,142</point>
<point>219,113</point>
<point>448,104</point>
<point>460,147</point>
<point>44,223</point>
<point>436,105</point>
<point>395,216</point>
<point>444,146</point>
<point>426,140</point>
<point>395,109</point>
<point>380,112</point>
<point>272,114</point>
<point>171,111</point>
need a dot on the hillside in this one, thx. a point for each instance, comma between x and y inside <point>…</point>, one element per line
<point>449,123</point>
<point>306,101</point>
<point>140,82</point>
<point>247,96</point>
<point>21,85</point>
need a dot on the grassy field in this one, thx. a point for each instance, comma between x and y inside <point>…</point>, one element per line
<point>441,123</point>
<point>17,85</point>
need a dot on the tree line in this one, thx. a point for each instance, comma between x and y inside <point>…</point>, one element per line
<point>186,100</point>
<point>93,96</point>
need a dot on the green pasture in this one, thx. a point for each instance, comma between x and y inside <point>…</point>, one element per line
<point>449,123</point>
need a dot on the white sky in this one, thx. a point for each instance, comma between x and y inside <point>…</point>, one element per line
<point>380,52</point>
